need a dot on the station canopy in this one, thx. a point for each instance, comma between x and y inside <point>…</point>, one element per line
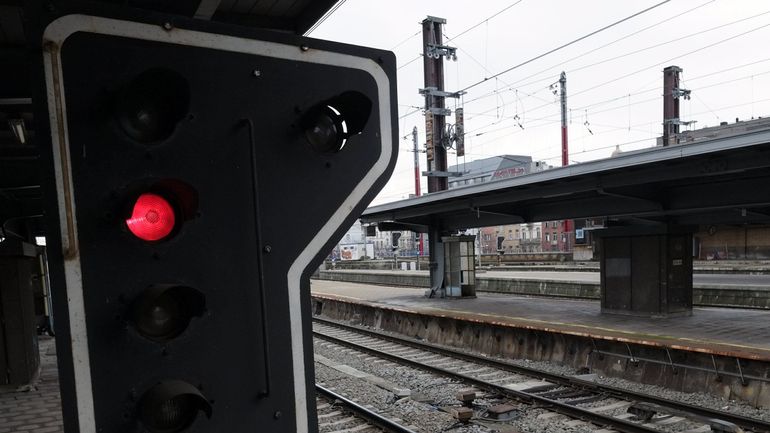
<point>717,181</point>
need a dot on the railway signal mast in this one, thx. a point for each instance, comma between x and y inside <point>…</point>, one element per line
<point>184,165</point>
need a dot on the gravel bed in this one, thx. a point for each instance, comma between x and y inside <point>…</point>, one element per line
<point>437,391</point>
<point>424,416</point>
<point>696,399</point>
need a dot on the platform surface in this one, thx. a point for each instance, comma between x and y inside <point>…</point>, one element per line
<point>729,332</point>
<point>721,281</point>
<point>37,410</point>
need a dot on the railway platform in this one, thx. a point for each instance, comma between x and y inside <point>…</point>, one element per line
<point>726,351</point>
<point>709,289</point>
<point>36,409</point>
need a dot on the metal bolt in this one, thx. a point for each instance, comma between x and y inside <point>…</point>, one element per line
<point>304,47</point>
<point>267,248</point>
<point>277,414</point>
<point>257,73</point>
<point>167,26</point>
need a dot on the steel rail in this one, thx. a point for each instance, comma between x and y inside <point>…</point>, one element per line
<point>372,417</point>
<point>741,421</point>
<point>542,402</point>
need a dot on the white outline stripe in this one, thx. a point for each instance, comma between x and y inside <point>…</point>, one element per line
<point>59,30</point>
<point>81,362</point>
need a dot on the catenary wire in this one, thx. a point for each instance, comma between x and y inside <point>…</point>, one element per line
<point>595,49</point>
<point>556,117</point>
<point>566,44</point>
<point>615,79</point>
<point>670,41</point>
<point>419,56</point>
<point>483,21</point>
<point>671,59</point>
<point>405,40</point>
<point>667,42</point>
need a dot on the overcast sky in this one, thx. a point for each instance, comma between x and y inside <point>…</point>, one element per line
<point>614,78</point>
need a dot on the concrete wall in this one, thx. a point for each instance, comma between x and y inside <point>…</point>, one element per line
<point>703,295</point>
<point>379,265</point>
<point>492,259</point>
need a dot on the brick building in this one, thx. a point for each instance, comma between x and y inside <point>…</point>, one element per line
<point>558,236</point>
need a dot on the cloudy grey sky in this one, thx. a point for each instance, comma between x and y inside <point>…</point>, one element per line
<point>614,79</point>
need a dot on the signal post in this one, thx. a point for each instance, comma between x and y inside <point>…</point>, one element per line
<point>181,238</point>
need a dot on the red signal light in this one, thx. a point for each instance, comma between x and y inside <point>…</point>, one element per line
<point>152,218</point>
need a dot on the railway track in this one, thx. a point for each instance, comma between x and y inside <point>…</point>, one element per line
<point>337,414</point>
<point>573,397</point>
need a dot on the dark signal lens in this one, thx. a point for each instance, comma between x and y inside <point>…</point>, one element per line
<point>149,108</point>
<point>322,131</point>
<point>161,313</point>
<point>172,406</point>
<point>152,218</point>
<point>328,125</point>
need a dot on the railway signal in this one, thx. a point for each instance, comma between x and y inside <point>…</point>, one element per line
<point>200,177</point>
<point>394,237</point>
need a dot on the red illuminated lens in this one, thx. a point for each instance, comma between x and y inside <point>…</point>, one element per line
<point>152,218</point>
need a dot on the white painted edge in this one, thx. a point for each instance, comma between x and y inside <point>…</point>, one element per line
<point>58,31</point>
<point>81,362</point>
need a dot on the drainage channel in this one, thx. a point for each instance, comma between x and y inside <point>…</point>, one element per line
<point>557,392</point>
<point>333,415</point>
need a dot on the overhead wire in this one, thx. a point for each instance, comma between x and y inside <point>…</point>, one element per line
<point>626,75</point>
<point>574,41</point>
<point>671,59</point>
<point>517,101</point>
<point>486,20</point>
<point>581,55</point>
<point>419,56</point>
<point>615,79</point>
<point>651,137</point>
<point>690,80</point>
<point>405,40</point>
<point>555,118</point>
<point>410,113</point>
<point>649,47</point>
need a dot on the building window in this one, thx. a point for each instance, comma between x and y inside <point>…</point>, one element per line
<point>547,238</point>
